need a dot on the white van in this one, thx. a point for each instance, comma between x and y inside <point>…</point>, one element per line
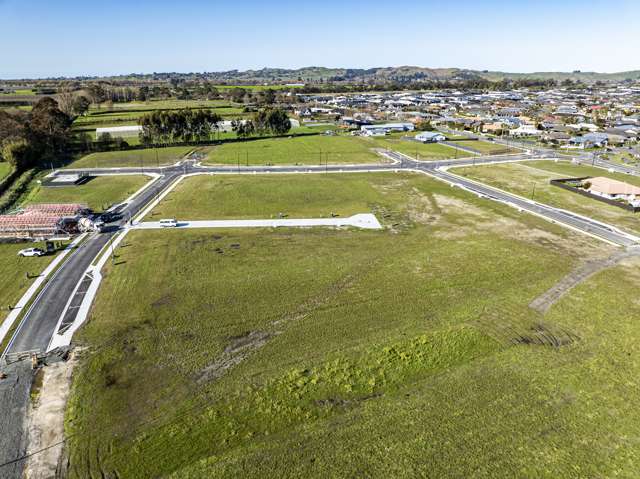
<point>168,223</point>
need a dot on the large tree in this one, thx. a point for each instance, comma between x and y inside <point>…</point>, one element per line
<point>50,127</point>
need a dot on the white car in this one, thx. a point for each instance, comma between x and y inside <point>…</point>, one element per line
<point>168,223</point>
<point>31,252</point>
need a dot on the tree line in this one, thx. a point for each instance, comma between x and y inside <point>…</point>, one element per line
<point>187,125</point>
<point>270,121</point>
<point>34,138</point>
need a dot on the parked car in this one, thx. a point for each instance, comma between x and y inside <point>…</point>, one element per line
<point>30,252</point>
<point>110,217</point>
<point>168,223</point>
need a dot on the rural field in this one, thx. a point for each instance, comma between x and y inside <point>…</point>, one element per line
<point>304,150</point>
<point>299,352</point>
<point>531,180</point>
<point>99,193</point>
<point>148,157</point>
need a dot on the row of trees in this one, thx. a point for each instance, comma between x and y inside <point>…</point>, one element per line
<point>187,125</point>
<point>163,126</point>
<point>34,138</point>
<point>270,121</point>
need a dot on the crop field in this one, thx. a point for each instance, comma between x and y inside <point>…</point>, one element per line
<point>99,193</point>
<point>143,158</point>
<point>324,352</point>
<point>531,180</point>
<point>304,150</point>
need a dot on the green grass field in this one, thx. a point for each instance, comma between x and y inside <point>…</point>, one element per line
<point>486,147</point>
<point>13,280</point>
<point>306,150</point>
<point>421,151</point>
<point>407,352</point>
<point>149,157</point>
<point>5,169</point>
<point>531,179</point>
<point>266,196</point>
<point>99,193</point>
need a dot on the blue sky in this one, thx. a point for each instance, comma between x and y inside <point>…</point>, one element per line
<point>67,37</point>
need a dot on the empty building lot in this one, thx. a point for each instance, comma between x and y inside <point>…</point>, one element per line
<point>204,346</point>
<point>532,180</point>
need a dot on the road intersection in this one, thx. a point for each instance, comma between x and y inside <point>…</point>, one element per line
<point>53,316</point>
<point>38,324</point>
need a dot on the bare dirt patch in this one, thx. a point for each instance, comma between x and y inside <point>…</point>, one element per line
<point>46,420</point>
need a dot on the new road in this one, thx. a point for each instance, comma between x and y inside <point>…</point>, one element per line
<point>38,324</point>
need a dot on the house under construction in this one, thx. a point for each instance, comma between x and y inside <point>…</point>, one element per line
<point>41,221</point>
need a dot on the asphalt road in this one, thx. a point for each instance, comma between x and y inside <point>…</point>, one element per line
<point>37,326</point>
<point>557,215</point>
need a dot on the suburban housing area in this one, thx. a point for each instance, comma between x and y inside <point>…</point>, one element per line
<point>215,269</point>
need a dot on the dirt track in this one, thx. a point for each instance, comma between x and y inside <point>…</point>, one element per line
<point>543,302</point>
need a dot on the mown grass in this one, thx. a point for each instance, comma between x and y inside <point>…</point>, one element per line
<point>99,193</point>
<point>147,157</point>
<point>323,352</point>
<point>18,273</point>
<point>305,150</point>
<point>531,179</point>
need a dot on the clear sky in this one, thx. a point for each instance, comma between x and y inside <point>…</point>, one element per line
<point>67,37</point>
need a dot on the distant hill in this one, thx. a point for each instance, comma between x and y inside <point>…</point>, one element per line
<point>404,74</point>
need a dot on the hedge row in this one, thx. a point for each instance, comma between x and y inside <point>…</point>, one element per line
<point>17,189</point>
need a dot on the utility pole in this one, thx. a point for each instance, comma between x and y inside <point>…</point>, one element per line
<point>533,191</point>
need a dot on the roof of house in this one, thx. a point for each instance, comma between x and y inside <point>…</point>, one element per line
<point>612,187</point>
<point>429,134</point>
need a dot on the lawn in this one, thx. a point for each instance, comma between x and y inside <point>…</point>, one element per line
<point>531,179</point>
<point>99,193</point>
<point>13,280</point>
<point>149,157</point>
<point>407,352</point>
<point>305,150</point>
<point>266,196</point>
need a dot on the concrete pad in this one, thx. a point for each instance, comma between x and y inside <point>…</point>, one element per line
<point>363,221</point>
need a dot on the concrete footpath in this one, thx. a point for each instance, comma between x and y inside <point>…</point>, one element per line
<point>364,221</point>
